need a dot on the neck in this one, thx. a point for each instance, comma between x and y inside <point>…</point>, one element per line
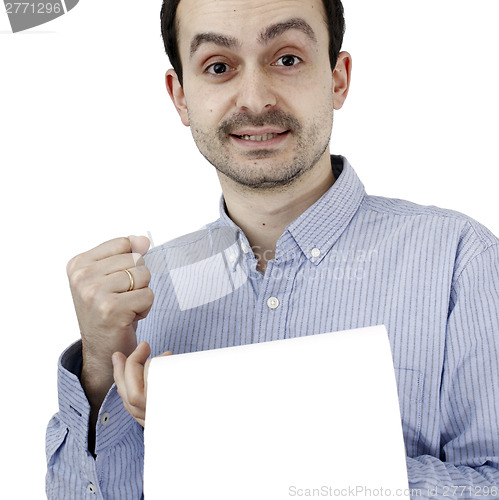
<point>264,214</point>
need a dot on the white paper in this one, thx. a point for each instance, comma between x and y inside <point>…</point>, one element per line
<point>311,416</point>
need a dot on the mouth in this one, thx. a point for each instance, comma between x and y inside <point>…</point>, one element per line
<point>258,138</point>
<point>268,138</point>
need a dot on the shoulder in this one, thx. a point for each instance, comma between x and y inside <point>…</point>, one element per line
<point>406,211</point>
<point>447,227</point>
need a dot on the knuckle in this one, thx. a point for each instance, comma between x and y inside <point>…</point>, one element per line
<point>122,245</point>
<point>138,260</point>
<point>149,295</point>
<point>147,274</point>
<point>90,293</point>
<point>123,323</point>
<point>107,307</point>
<point>129,409</point>
<point>120,392</point>
<point>135,399</point>
<point>79,276</point>
<point>72,265</point>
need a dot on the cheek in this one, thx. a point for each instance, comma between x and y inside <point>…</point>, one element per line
<point>307,93</point>
<point>207,109</point>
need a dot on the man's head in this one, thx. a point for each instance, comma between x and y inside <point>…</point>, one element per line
<point>258,88</point>
<point>335,21</point>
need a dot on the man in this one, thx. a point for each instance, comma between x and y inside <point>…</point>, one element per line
<point>306,251</point>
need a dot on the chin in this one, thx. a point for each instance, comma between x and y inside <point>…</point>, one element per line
<point>262,181</point>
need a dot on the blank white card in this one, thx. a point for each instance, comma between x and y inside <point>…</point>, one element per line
<point>311,416</point>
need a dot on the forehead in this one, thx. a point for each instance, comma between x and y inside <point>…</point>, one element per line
<point>243,19</point>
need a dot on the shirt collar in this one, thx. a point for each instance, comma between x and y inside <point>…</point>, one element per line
<point>317,229</point>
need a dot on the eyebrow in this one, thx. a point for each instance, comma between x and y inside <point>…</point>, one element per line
<point>276,30</point>
<point>266,35</point>
<point>216,38</point>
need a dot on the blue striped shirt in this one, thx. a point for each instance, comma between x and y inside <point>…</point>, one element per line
<point>351,260</point>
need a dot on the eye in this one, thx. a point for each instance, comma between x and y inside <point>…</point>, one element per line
<point>288,60</point>
<point>217,68</point>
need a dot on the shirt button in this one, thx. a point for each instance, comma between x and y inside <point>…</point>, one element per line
<point>315,252</point>
<point>244,247</point>
<point>232,258</point>
<point>91,488</point>
<point>104,419</point>
<point>273,303</point>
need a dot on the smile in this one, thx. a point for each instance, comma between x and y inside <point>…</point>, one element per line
<point>269,138</point>
<point>258,138</point>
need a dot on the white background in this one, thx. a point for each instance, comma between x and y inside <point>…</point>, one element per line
<point>91,148</point>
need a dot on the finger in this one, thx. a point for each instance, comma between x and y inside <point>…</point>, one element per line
<point>139,244</point>
<point>128,382</point>
<point>138,302</point>
<point>119,361</point>
<point>140,355</point>
<point>107,249</point>
<point>134,378</point>
<point>116,263</point>
<point>116,246</point>
<point>120,281</point>
<point>126,309</point>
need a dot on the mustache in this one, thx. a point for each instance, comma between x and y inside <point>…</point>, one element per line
<point>274,117</point>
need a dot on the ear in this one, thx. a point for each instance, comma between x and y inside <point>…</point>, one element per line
<point>176,93</point>
<point>341,78</point>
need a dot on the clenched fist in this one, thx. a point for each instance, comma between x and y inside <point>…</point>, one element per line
<point>107,307</point>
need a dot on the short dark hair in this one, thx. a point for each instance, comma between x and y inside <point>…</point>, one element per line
<point>335,24</point>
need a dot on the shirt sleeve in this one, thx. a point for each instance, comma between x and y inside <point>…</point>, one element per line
<point>116,471</point>
<point>468,467</point>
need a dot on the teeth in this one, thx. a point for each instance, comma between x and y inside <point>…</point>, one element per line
<point>259,138</point>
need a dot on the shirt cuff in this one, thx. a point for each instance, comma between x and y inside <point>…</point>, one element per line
<point>74,407</point>
<point>113,422</point>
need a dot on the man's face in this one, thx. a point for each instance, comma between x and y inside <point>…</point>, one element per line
<point>258,86</point>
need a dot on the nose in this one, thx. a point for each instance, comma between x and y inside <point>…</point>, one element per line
<point>256,92</point>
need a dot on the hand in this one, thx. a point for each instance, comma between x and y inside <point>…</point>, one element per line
<point>107,311</point>
<point>130,375</point>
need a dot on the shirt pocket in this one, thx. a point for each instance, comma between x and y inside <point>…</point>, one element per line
<point>410,391</point>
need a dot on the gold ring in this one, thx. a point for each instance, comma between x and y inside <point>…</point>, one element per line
<point>132,282</point>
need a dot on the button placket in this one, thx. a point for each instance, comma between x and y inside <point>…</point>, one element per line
<point>273,299</point>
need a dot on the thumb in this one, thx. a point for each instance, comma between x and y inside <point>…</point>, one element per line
<point>139,244</point>
<point>141,353</point>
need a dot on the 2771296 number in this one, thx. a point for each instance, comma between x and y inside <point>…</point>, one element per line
<point>470,491</point>
<point>33,8</point>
